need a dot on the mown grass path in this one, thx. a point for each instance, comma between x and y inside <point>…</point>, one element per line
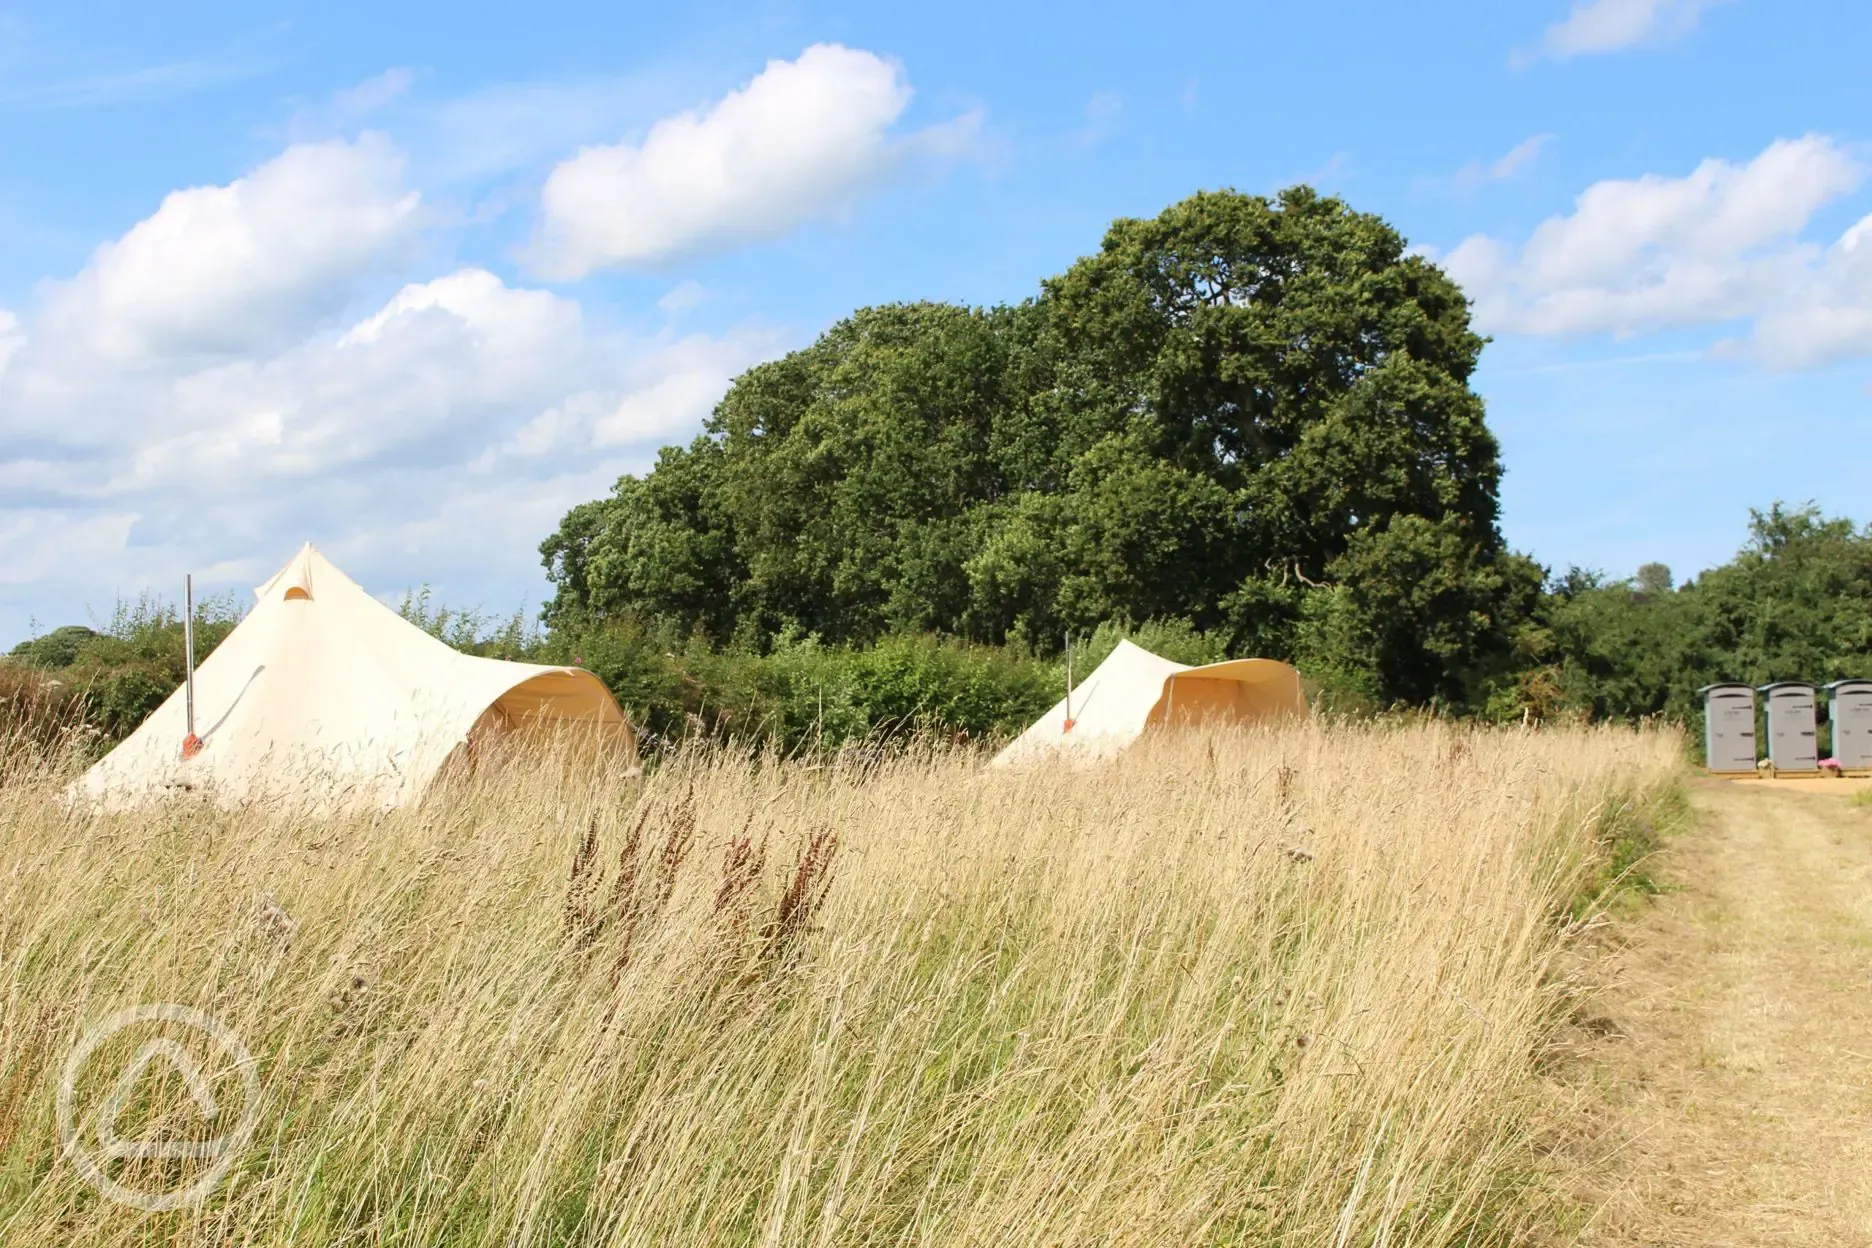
<point>1737,1074</point>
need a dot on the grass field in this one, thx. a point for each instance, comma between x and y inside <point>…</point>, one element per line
<point>1250,987</point>
<point>1731,1075</point>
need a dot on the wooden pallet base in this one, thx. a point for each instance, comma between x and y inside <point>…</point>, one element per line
<point>1770,773</point>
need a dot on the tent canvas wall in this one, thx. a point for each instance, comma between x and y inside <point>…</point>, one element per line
<point>324,695</point>
<point>1133,690</point>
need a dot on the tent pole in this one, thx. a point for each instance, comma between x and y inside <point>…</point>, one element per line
<point>1069,678</point>
<point>188,644</point>
<point>191,744</point>
<point>1069,717</point>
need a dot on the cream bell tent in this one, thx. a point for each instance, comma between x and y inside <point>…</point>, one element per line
<point>323,694</point>
<point>1133,690</point>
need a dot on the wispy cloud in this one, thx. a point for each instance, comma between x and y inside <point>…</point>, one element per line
<point>1335,171</point>
<point>337,115</point>
<point>683,296</point>
<point>1604,362</point>
<point>1600,26</point>
<point>1101,118</point>
<point>495,133</point>
<point>371,94</point>
<point>1505,168</point>
<point>513,127</point>
<point>153,82</point>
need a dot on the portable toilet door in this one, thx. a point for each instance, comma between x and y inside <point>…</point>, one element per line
<point>1728,728</point>
<point>1792,740</point>
<point>1849,707</point>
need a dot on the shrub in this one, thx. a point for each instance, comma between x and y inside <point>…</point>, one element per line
<point>41,718</point>
<point>113,678</point>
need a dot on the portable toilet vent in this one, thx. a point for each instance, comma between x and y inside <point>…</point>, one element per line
<point>1791,736</point>
<point>1849,707</point>
<point>1729,727</point>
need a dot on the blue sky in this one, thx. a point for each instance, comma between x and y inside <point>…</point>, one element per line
<point>410,281</point>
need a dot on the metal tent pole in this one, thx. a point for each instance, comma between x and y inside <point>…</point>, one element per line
<point>191,744</point>
<point>188,644</point>
<point>1069,714</point>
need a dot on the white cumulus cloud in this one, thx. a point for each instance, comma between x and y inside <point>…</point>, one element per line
<point>438,438</point>
<point>801,141</point>
<point>476,298</point>
<point>1720,244</point>
<point>12,337</point>
<point>1825,318</point>
<point>1610,25</point>
<point>225,269</point>
<point>206,395</point>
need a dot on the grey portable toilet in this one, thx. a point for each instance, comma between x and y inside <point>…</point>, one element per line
<point>1728,727</point>
<point>1792,741</point>
<point>1849,707</point>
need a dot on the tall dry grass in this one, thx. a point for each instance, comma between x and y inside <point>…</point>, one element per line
<point>1239,988</point>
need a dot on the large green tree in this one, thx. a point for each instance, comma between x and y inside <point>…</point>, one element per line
<point>1227,411</point>
<point>1794,604</point>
